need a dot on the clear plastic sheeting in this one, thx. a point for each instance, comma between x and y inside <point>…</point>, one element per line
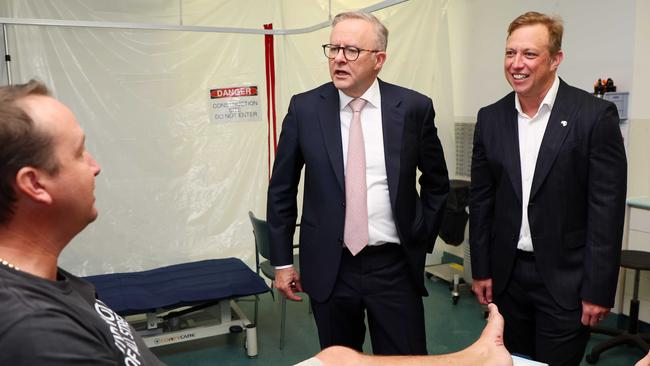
<point>175,187</point>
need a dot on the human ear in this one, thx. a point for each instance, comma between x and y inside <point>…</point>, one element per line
<point>380,59</point>
<point>556,60</point>
<point>29,181</point>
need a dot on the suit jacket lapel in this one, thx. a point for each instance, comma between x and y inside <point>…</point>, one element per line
<point>392,118</point>
<point>559,124</point>
<point>511,145</point>
<point>330,122</point>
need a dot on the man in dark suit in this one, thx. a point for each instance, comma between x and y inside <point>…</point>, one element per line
<point>547,200</point>
<point>364,229</point>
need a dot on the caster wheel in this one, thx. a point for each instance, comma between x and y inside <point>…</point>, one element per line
<point>591,358</point>
<point>454,300</point>
<point>428,275</point>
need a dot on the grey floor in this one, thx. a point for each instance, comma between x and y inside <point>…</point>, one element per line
<point>449,328</point>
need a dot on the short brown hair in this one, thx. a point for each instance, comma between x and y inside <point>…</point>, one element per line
<point>22,143</point>
<point>381,32</point>
<point>553,25</point>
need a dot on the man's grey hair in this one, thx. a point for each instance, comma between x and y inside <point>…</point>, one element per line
<point>381,32</point>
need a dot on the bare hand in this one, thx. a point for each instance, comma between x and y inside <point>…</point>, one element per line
<point>592,313</point>
<point>287,281</point>
<point>482,288</point>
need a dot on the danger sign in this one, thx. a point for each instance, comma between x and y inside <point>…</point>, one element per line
<point>234,103</point>
<point>239,91</point>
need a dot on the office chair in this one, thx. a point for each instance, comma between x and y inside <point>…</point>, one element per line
<point>638,261</point>
<point>263,264</point>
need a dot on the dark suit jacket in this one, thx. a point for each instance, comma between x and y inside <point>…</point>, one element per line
<point>577,199</point>
<point>311,137</point>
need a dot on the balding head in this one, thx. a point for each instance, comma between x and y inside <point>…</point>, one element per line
<point>23,141</point>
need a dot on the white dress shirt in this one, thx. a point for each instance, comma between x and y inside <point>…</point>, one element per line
<point>381,225</point>
<point>531,133</point>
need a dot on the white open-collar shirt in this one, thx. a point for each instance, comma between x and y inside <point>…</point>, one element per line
<point>531,133</point>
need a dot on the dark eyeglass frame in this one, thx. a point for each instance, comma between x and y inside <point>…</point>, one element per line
<point>329,48</point>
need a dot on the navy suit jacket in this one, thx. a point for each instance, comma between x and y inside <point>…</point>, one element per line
<point>577,200</point>
<point>311,137</point>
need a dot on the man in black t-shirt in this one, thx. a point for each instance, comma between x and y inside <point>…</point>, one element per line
<point>46,322</point>
<point>47,180</point>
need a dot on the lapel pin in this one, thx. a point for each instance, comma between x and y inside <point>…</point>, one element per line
<point>564,123</point>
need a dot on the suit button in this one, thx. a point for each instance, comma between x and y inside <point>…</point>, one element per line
<point>343,204</point>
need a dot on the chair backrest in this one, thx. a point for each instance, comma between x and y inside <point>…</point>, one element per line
<point>262,238</point>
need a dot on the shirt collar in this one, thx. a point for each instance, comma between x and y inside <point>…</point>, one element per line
<point>372,96</point>
<point>548,100</point>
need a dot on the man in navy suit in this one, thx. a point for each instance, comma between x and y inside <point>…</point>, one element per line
<point>384,279</point>
<point>547,200</point>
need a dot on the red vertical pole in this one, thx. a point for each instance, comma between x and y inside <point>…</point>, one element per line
<point>270,95</point>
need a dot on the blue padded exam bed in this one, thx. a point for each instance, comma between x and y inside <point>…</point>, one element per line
<point>191,286</point>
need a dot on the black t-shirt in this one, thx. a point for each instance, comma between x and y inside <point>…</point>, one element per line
<point>60,322</point>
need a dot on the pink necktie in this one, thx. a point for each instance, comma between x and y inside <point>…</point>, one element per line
<point>355,233</point>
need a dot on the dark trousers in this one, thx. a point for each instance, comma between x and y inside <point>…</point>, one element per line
<point>377,282</point>
<point>535,325</point>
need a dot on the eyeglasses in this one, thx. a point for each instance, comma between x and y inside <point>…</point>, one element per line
<point>350,53</point>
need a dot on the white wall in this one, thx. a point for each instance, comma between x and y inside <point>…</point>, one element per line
<point>639,146</point>
<point>640,106</point>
